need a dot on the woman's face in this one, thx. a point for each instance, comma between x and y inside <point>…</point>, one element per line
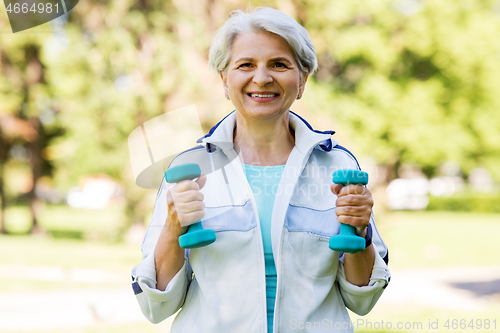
<point>263,79</point>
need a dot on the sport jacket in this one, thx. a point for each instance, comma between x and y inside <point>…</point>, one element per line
<point>221,287</point>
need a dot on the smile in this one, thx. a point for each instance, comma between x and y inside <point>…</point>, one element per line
<point>262,95</point>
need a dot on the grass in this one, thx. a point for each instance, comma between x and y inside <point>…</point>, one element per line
<point>415,240</point>
<point>68,253</point>
<point>145,327</point>
<point>17,285</point>
<point>432,240</point>
<point>39,251</point>
<point>425,320</point>
<point>66,222</point>
<point>77,238</point>
<point>440,239</point>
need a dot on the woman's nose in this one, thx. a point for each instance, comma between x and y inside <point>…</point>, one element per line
<point>262,76</point>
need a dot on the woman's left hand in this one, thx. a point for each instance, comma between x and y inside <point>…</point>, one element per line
<point>354,206</point>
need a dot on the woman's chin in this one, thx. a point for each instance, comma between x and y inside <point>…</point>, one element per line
<point>264,112</point>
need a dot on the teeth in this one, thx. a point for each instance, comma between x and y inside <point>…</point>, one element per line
<point>262,96</point>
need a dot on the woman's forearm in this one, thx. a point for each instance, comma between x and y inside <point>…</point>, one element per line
<point>185,201</point>
<point>169,258</point>
<point>358,266</point>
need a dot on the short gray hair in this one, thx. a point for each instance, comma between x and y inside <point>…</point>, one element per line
<point>262,19</point>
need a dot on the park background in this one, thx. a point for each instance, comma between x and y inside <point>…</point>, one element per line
<point>410,86</point>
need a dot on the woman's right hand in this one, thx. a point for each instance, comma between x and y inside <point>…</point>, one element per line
<point>185,205</point>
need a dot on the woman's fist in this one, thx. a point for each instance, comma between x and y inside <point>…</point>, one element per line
<point>185,204</point>
<point>354,205</point>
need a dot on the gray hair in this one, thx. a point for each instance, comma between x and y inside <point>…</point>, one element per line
<point>262,19</point>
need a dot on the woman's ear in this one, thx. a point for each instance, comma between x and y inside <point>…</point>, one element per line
<point>302,83</point>
<point>223,77</point>
<point>224,80</point>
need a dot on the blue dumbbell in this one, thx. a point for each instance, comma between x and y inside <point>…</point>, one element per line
<point>195,236</point>
<point>347,240</point>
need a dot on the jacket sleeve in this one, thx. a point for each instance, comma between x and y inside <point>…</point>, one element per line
<point>361,300</point>
<point>158,305</point>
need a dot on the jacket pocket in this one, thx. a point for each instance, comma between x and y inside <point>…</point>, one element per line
<point>309,232</point>
<point>230,218</point>
<point>317,259</point>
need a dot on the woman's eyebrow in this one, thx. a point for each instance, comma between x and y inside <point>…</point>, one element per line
<point>281,59</point>
<point>245,59</point>
<point>248,59</point>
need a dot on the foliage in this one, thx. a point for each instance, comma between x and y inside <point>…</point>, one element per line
<point>408,81</point>
<point>27,114</point>
<point>466,202</point>
<point>122,64</point>
<point>411,81</point>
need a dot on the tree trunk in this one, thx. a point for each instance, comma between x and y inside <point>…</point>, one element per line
<point>3,155</point>
<point>34,75</point>
<point>36,171</point>
<point>2,199</point>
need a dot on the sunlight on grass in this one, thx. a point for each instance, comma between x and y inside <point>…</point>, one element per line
<point>45,251</point>
<point>439,239</point>
<point>65,220</point>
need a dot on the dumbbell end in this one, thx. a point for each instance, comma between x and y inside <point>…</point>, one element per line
<point>196,237</point>
<point>347,243</point>
<point>348,176</point>
<point>182,172</point>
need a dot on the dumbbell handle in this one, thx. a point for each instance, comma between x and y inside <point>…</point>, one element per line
<point>195,235</point>
<point>347,240</point>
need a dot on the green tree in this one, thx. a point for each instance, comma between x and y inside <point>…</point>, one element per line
<point>411,81</point>
<point>407,81</point>
<point>26,102</point>
<point>121,64</point>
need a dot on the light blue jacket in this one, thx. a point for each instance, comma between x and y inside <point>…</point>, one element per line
<point>221,287</point>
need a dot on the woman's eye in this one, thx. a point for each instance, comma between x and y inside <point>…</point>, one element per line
<point>245,65</point>
<point>280,65</point>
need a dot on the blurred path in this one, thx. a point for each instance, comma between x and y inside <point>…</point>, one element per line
<point>65,309</point>
<point>460,288</point>
<point>470,289</point>
<point>54,273</point>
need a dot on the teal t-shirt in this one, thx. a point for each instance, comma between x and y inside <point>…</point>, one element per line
<point>264,181</point>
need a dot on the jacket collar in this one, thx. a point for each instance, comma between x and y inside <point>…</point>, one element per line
<point>306,137</point>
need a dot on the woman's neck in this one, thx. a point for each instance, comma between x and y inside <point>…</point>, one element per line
<point>263,142</point>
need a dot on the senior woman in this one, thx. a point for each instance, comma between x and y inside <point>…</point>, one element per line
<point>270,201</point>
